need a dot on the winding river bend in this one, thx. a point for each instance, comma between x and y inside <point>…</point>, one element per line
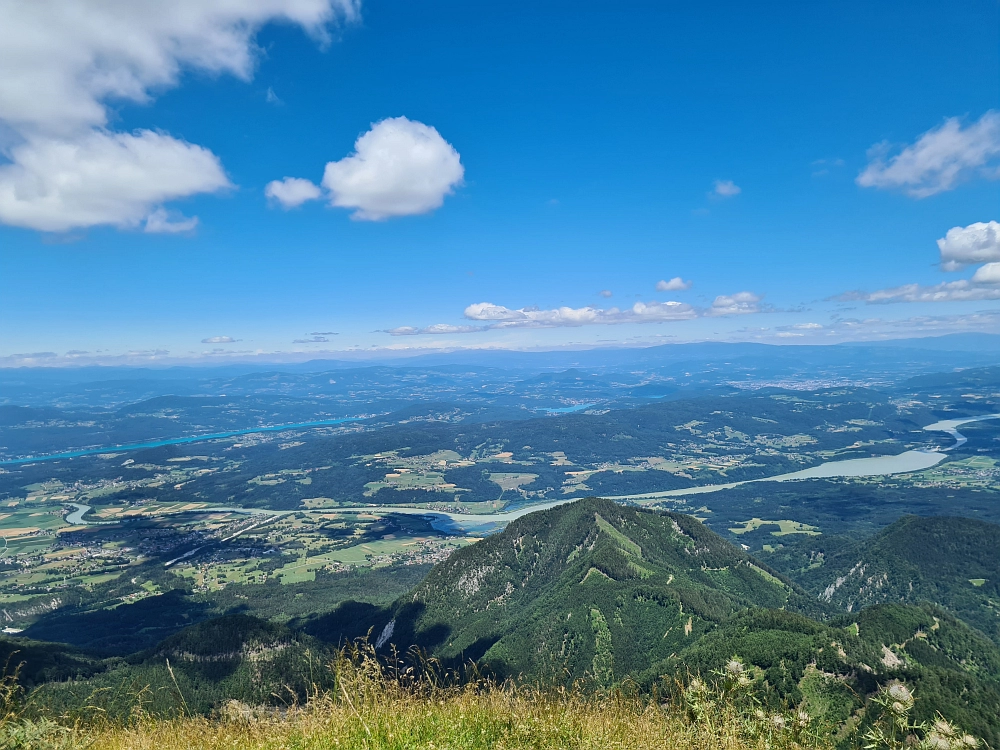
<point>903,463</point>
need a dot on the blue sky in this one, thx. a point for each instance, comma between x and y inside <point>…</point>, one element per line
<point>577,148</point>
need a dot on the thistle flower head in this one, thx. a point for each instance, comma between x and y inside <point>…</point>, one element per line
<point>803,718</point>
<point>696,685</point>
<point>969,741</point>
<point>899,692</point>
<point>734,667</point>
<point>935,741</point>
<point>943,728</point>
<point>778,721</point>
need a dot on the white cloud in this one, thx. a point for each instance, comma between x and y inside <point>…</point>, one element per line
<point>939,160</point>
<point>399,168</point>
<point>726,188</point>
<point>271,98</point>
<point>606,293</point>
<point>573,317</point>
<point>316,339</point>
<point>499,317</point>
<point>101,178</point>
<point>163,222</point>
<point>219,340</point>
<point>675,284</point>
<point>60,63</point>
<point>292,191</point>
<point>437,328</point>
<point>949,291</point>
<point>741,303</point>
<point>988,274</point>
<point>976,243</point>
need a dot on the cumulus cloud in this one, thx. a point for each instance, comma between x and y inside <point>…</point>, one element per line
<point>988,274</point>
<point>102,178</point>
<point>399,168</point>
<point>61,62</point>
<point>976,243</point>
<point>292,191</point>
<point>741,303</point>
<point>939,160</point>
<point>726,189</point>
<point>219,340</point>
<point>675,284</point>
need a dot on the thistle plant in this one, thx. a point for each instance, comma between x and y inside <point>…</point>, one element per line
<point>734,696</point>
<point>895,729</point>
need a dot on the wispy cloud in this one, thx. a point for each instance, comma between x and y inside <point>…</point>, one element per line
<point>676,284</point>
<point>726,189</point>
<point>163,222</point>
<point>219,340</point>
<point>437,329</point>
<point>493,317</point>
<point>948,291</point>
<point>574,317</point>
<point>314,340</point>
<point>939,160</point>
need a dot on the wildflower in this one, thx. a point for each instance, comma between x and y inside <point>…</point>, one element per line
<point>803,719</point>
<point>778,721</point>
<point>935,741</point>
<point>744,681</point>
<point>969,741</point>
<point>943,728</point>
<point>897,708</point>
<point>899,692</point>
<point>734,667</point>
<point>696,685</point>
<point>760,714</point>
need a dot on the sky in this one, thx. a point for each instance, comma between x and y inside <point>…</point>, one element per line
<point>213,180</point>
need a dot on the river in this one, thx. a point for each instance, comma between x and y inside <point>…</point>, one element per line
<point>177,441</point>
<point>902,463</point>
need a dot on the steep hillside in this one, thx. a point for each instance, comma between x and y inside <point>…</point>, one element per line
<point>589,587</point>
<point>235,657</point>
<point>952,562</point>
<point>831,668</point>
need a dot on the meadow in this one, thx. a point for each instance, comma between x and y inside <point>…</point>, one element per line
<point>379,705</point>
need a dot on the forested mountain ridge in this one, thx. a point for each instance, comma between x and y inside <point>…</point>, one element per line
<point>591,587</point>
<point>951,562</point>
